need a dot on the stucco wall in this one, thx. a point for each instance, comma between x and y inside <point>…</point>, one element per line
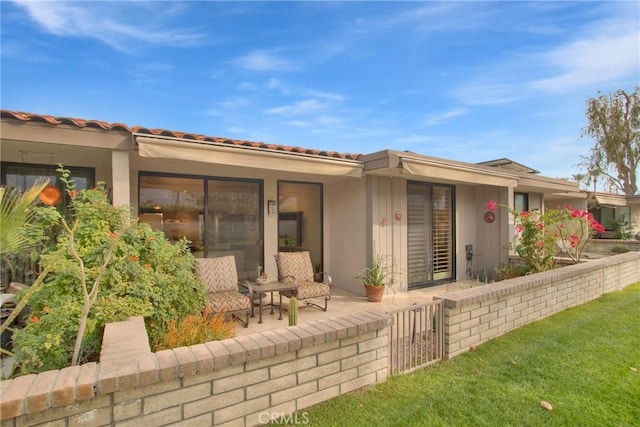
<point>477,315</point>
<point>387,234</point>
<point>345,229</point>
<point>491,239</point>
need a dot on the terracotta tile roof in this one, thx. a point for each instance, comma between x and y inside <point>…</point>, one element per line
<point>97,124</point>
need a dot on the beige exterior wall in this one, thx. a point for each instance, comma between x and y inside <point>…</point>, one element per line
<point>635,218</point>
<point>388,195</point>
<point>536,201</point>
<point>489,240</point>
<point>270,187</point>
<point>388,235</point>
<point>53,154</point>
<point>359,213</point>
<point>554,203</point>
<point>345,230</point>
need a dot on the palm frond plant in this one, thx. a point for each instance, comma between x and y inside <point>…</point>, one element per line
<point>17,211</point>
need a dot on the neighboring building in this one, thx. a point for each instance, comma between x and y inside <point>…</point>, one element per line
<point>253,199</point>
<point>610,209</point>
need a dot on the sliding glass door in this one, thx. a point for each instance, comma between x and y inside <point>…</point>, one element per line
<point>430,230</point>
<point>300,219</point>
<point>218,216</point>
<point>233,225</point>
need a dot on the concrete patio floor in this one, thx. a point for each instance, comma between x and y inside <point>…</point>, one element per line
<point>343,303</point>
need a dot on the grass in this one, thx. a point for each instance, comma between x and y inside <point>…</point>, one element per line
<point>582,360</point>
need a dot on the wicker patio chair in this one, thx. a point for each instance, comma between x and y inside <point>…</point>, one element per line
<point>296,267</point>
<point>221,281</point>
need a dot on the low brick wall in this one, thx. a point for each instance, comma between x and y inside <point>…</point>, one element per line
<point>477,315</point>
<point>249,379</point>
<point>603,247</point>
<point>240,381</point>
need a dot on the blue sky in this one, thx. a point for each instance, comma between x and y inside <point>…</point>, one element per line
<point>469,81</point>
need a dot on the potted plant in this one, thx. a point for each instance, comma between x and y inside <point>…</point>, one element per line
<point>375,278</point>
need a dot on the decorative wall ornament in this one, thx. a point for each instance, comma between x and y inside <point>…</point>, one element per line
<point>51,195</point>
<point>489,217</point>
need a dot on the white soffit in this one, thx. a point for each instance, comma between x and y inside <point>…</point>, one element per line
<point>610,200</point>
<point>455,172</point>
<point>250,157</point>
<point>544,184</point>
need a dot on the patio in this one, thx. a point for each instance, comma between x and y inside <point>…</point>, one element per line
<point>343,303</point>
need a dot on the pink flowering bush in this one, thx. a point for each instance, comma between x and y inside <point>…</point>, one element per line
<point>573,229</point>
<point>539,234</point>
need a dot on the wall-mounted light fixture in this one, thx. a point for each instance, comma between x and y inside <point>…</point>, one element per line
<point>271,207</point>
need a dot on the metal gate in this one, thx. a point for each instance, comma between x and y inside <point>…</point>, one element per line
<point>416,338</point>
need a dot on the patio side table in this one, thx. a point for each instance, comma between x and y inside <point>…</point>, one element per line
<point>260,290</point>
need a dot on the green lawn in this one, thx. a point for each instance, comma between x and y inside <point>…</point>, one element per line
<point>583,361</point>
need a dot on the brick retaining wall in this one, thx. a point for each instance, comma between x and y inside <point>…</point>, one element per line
<point>603,247</point>
<point>476,315</point>
<point>244,380</point>
<point>240,381</point>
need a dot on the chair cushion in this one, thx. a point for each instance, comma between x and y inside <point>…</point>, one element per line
<point>221,302</point>
<point>309,290</point>
<point>218,274</point>
<point>296,264</point>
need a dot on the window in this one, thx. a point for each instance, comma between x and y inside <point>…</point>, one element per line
<point>218,216</point>
<point>521,202</point>
<point>610,217</point>
<point>174,205</point>
<point>23,175</point>
<point>300,219</point>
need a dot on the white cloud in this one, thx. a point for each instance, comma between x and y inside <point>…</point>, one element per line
<point>151,73</point>
<point>234,103</point>
<point>307,106</point>
<point>434,119</point>
<point>303,124</point>
<point>263,61</point>
<point>236,130</point>
<point>105,22</point>
<point>426,17</point>
<point>326,95</point>
<point>601,54</point>
<point>592,61</point>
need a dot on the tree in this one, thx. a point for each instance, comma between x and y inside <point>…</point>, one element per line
<point>614,124</point>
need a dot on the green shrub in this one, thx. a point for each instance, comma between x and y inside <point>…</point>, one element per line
<point>619,249</point>
<point>511,270</point>
<point>145,276</point>
<point>621,228</point>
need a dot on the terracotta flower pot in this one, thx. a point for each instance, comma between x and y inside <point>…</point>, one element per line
<point>374,293</point>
